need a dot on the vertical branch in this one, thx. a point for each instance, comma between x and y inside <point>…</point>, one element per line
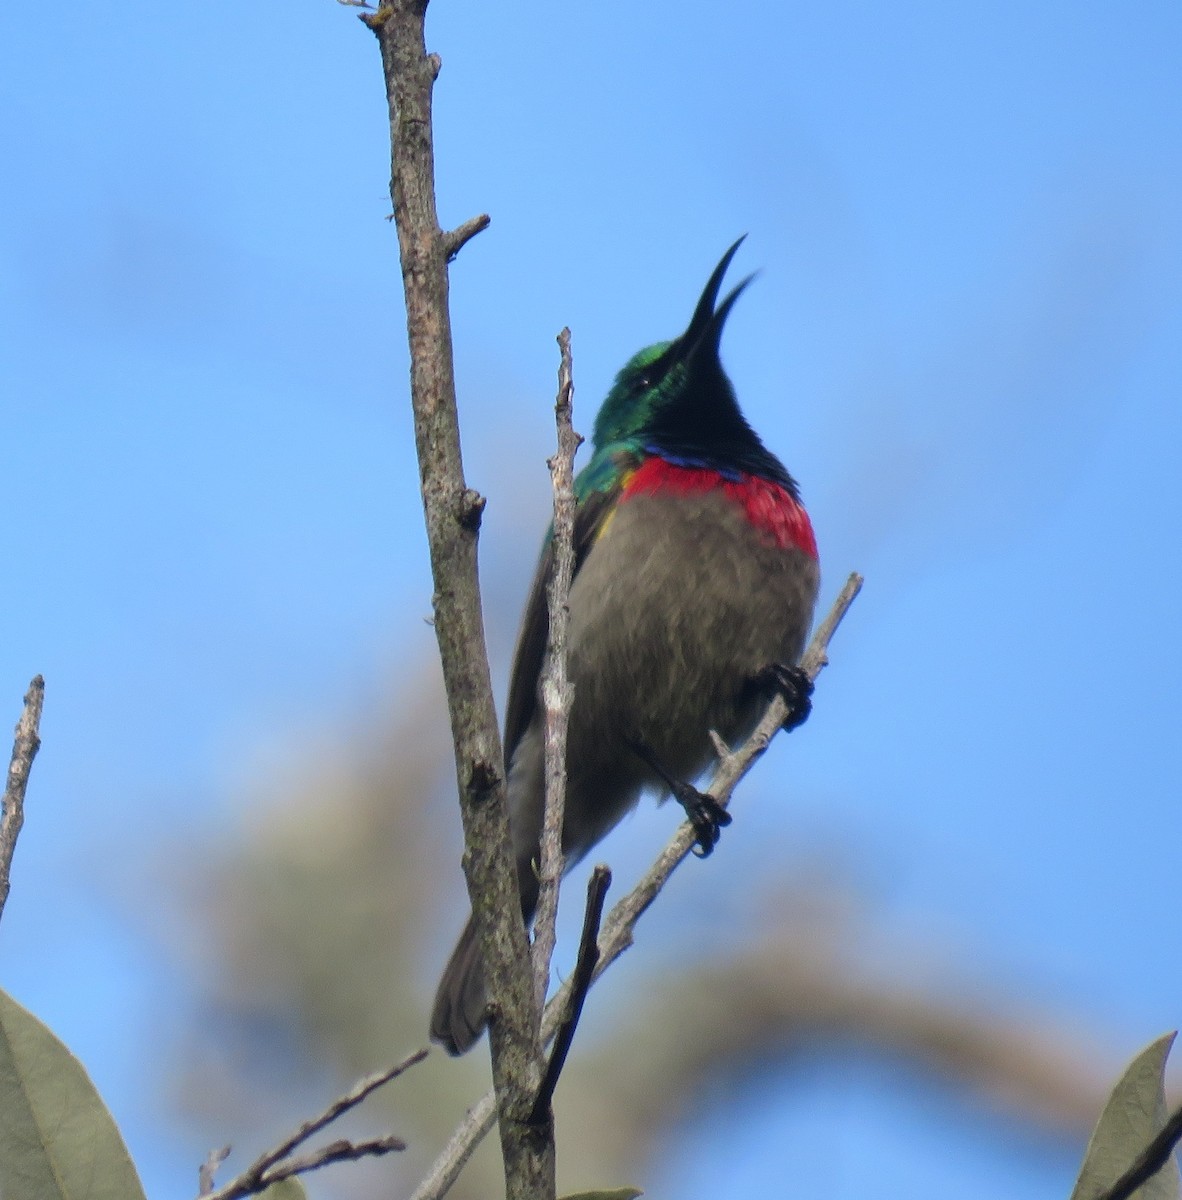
<point>25,745</point>
<point>556,689</point>
<point>453,513</point>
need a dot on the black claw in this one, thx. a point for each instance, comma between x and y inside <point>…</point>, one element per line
<point>703,812</point>
<point>797,689</point>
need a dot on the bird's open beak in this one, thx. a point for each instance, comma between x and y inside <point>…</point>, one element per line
<point>705,327</point>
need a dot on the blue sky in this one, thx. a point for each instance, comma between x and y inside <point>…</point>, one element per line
<point>965,341</point>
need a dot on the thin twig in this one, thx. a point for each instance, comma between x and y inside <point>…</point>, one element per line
<point>1152,1159</point>
<point>277,1163</point>
<point>208,1170</point>
<point>342,1150</point>
<point>556,690</point>
<point>25,745</point>
<point>616,936</point>
<point>584,973</point>
<point>342,1104</point>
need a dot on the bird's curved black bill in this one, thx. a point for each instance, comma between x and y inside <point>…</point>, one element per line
<point>705,328</point>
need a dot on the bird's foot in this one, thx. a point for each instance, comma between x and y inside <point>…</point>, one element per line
<point>703,812</point>
<point>795,686</point>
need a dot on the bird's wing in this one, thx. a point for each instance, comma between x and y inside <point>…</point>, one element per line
<point>591,512</point>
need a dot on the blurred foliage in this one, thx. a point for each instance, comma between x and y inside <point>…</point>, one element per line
<point>315,933</point>
<point>59,1142</point>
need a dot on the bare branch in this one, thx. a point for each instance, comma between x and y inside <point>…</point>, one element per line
<point>276,1164</point>
<point>618,928</point>
<point>459,237</point>
<point>557,692</point>
<point>452,513</point>
<point>25,745</point>
<point>584,973</point>
<point>1152,1159</point>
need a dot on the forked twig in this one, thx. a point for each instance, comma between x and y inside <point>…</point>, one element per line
<point>278,1163</point>
<point>581,980</point>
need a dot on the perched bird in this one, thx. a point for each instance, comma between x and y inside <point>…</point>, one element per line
<point>695,579</point>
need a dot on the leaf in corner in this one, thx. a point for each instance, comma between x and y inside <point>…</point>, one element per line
<point>1133,1116</point>
<point>57,1139</point>
<point>624,1193</point>
<point>285,1189</point>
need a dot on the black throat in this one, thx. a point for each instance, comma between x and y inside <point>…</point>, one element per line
<point>704,427</point>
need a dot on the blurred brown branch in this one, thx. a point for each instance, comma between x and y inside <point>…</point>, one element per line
<point>799,991</point>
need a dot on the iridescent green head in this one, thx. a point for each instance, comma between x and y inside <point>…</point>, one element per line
<point>675,395</point>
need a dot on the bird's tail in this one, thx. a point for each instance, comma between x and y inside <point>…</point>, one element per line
<point>459,1015</point>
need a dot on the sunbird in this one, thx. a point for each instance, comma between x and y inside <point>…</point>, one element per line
<point>696,575</point>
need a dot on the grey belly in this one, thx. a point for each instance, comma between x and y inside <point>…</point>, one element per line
<point>678,606</point>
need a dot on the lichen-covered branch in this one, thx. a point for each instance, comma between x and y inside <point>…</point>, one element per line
<point>453,513</point>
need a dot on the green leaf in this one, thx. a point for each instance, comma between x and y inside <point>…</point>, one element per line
<point>1134,1114</point>
<point>57,1140</point>
<point>624,1193</point>
<point>285,1189</point>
